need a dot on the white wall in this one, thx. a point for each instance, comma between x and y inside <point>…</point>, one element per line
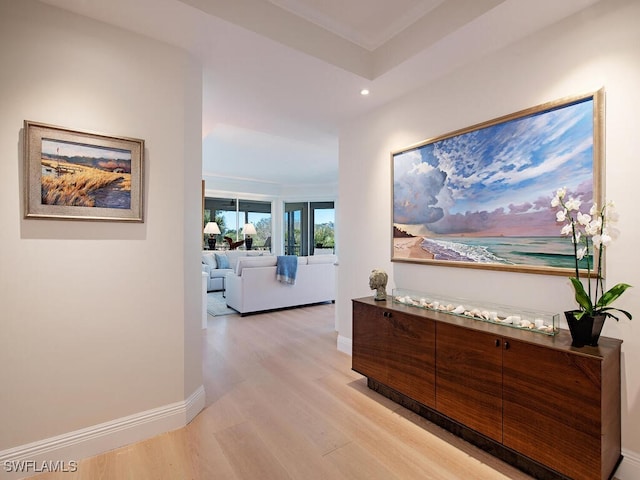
<point>99,320</point>
<point>581,54</point>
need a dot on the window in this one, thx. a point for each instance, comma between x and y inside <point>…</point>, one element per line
<point>323,218</point>
<point>231,214</point>
<point>309,226</point>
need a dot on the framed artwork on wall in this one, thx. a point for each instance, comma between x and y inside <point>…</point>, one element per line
<point>77,175</point>
<point>480,197</point>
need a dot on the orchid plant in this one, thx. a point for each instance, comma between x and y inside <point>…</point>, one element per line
<point>589,232</point>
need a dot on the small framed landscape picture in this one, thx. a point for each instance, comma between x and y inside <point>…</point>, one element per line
<point>78,175</point>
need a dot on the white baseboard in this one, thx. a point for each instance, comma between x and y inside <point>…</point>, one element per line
<point>344,345</point>
<point>629,469</point>
<point>194,404</point>
<point>91,441</point>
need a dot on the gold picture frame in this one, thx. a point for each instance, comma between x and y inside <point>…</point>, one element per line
<point>79,175</point>
<point>480,197</point>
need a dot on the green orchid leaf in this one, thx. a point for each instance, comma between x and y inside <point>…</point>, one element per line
<point>581,296</point>
<point>579,314</point>
<point>607,309</point>
<point>614,292</point>
<point>626,313</point>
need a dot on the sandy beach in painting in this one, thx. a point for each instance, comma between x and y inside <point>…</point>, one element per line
<point>536,251</point>
<point>410,248</point>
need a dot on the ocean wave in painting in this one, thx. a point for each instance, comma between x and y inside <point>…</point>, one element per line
<point>456,251</point>
<point>539,251</point>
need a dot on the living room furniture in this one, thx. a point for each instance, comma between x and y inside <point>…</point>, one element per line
<point>253,286</point>
<point>248,230</point>
<point>218,263</point>
<point>212,229</point>
<point>532,400</point>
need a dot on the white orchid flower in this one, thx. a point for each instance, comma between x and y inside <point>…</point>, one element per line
<point>596,241</point>
<point>581,252</point>
<point>576,238</point>
<point>583,219</point>
<point>603,240</point>
<point>572,204</point>
<point>561,216</point>
<point>594,210</point>
<point>593,228</point>
<point>561,192</point>
<point>611,214</point>
<point>613,232</point>
<point>566,230</point>
<point>555,202</point>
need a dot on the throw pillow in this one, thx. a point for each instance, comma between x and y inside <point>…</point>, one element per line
<point>209,260</point>
<point>222,260</point>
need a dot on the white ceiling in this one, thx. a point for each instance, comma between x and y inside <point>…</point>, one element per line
<point>281,76</point>
<point>367,23</point>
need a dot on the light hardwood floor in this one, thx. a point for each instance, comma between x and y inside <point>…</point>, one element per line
<point>283,403</point>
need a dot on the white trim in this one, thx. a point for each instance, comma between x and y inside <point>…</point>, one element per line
<point>241,179</point>
<point>204,313</point>
<point>91,441</point>
<point>630,466</point>
<point>194,404</point>
<point>344,345</point>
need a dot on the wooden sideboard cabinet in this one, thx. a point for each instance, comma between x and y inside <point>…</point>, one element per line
<point>550,409</point>
<point>397,349</point>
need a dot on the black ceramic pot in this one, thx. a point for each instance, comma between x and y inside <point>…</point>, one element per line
<point>585,331</point>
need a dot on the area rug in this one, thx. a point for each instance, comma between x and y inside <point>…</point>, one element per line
<point>217,305</point>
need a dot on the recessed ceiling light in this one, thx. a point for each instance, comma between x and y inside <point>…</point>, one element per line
<point>364,91</point>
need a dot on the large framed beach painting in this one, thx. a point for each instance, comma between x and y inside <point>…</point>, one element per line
<point>481,197</point>
<point>77,175</point>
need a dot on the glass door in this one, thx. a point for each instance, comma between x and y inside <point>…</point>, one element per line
<point>309,228</point>
<point>323,217</point>
<point>296,236</point>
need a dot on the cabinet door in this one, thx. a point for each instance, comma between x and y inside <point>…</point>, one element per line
<point>552,408</point>
<point>469,378</point>
<point>396,349</point>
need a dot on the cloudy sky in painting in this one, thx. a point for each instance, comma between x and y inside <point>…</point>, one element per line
<point>70,149</point>
<point>499,177</point>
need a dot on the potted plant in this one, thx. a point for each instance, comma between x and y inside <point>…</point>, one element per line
<point>589,233</point>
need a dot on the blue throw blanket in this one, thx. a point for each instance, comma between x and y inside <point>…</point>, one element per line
<point>287,268</point>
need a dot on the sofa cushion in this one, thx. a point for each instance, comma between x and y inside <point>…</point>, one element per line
<point>222,260</point>
<point>234,255</point>
<point>248,262</point>
<point>209,260</point>
<point>220,272</point>
<point>316,259</point>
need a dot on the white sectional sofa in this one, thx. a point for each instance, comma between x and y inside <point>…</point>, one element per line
<point>216,271</point>
<point>253,287</point>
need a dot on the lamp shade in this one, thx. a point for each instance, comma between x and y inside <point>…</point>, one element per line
<point>212,228</point>
<point>249,229</point>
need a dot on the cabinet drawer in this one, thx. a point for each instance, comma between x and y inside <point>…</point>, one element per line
<point>469,378</point>
<point>396,349</point>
